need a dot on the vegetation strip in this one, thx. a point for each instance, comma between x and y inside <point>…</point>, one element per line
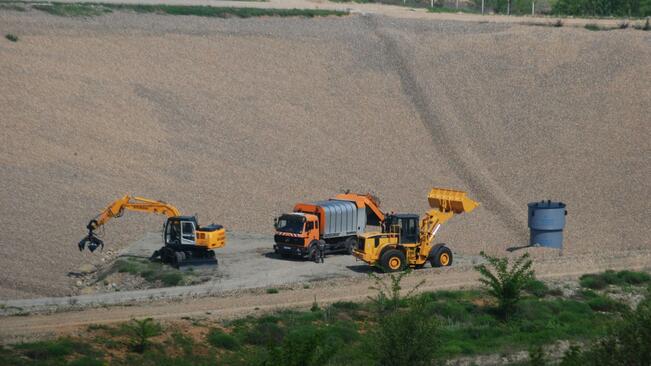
<point>395,327</point>
<point>96,9</point>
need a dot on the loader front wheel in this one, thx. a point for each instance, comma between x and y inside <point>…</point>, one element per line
<point>442,258</point>
<point>393,260</point>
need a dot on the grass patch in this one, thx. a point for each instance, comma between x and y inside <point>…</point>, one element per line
<point>459,323</point>
<point>13,7</point>
<point>600,281</point>
<point>445,9</point>
<point>219,339</point>
<point>96,9</point>
<point>594,27</point>
<point>272,290</point>
<point>73,10</point>
<point>151,271</point>
<point>536,288</point>
<point>12,37</point>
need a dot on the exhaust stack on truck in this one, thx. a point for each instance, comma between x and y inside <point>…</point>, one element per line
<point>333,225</point>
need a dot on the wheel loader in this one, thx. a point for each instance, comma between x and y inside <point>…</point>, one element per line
<point>184,241</point>
<point>406,242</point>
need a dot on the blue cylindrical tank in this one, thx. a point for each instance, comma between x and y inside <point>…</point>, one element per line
<point>546,223</point>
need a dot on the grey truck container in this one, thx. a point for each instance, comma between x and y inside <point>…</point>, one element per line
<point>342,218</point>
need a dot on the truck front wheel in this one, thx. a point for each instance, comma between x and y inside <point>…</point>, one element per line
<point>393,260</point>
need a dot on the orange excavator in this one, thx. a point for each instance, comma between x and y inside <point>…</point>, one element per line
<point>185,242</point>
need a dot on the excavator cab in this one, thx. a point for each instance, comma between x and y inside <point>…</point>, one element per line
<point>180,231</point>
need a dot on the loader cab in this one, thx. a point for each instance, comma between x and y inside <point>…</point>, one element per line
<point>407,225</point>
<point>180,230</point>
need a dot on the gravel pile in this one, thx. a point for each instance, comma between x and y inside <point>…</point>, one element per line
<point>237,120</point>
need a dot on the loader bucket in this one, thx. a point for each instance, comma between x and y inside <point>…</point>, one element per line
<point>449,200</point>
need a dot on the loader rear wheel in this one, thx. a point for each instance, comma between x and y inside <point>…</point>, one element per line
<point>392,260</point>
<point>442,258</point>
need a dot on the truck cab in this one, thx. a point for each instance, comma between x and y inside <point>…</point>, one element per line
<point>295,232</point>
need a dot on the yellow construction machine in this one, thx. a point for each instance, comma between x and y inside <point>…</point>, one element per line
<point>185,242</point>
<point>403,242</point>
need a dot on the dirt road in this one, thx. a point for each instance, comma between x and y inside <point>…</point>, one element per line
<point>16,328</point>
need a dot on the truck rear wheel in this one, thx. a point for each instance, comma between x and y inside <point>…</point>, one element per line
<point>442,258</point>
<point>350,244</point>
<point>393,260</point>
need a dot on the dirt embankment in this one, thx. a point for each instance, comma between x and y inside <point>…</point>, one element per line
<point>238,119</point>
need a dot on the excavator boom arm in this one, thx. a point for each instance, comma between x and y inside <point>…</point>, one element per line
<point>116,209</point>
<point>139,204</point>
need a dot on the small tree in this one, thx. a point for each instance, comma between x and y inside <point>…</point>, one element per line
<point>389,297</point>
<point>140,332</point>
<point>403,335</point>
<point>505,284</point>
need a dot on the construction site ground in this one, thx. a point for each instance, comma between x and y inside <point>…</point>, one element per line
<point>238,119</point>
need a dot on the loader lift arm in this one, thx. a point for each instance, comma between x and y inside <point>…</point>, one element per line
<point>116,209</point>
<point>445,204</point>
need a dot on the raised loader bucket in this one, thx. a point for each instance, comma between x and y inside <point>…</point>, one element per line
<point>448,200</point>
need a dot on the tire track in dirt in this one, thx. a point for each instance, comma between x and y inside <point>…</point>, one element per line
<point>446,141</point>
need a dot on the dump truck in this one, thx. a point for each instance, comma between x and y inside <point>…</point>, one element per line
<point>404,242</point>
<point>326,226</point>
<point>184,241</point>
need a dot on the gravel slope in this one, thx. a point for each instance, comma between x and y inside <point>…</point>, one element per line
<point>238,119</point>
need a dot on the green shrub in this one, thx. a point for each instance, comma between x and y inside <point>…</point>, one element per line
<point>602,8</point>
<point>536,288</point>
<point>537,357</point>
<point>627,343</point>
<point>86,361</point>
<point>219,339</point>
<point>605,304</point>
<point>264,334</point>
<point>504,283</point>
<point>592,281</point>
<point>405,337</point>
<point>171,279</point>
<point>140,331</point>
<point>12,7</point>
<point>598,281</point>
<point>593,27</point>
<point>272,290</point>
<point>73,10</point>
<point>12,37</point>
<point>223,12</point>
<point>634,278</point>
<point>47,349</point>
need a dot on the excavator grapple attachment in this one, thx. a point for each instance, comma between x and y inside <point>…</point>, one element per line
<point>91,241</point>
<point>447,200</point>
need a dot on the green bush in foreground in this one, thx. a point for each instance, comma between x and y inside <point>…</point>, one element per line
<point>627,343</point>
<point>504,283</point>
<point>405,337</point>
<point>12,37</point>
<point>602,280</point>
<point>140,331</point>
<point>219,339</point>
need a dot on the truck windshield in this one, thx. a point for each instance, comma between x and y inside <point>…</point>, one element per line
<point>291,224</point>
